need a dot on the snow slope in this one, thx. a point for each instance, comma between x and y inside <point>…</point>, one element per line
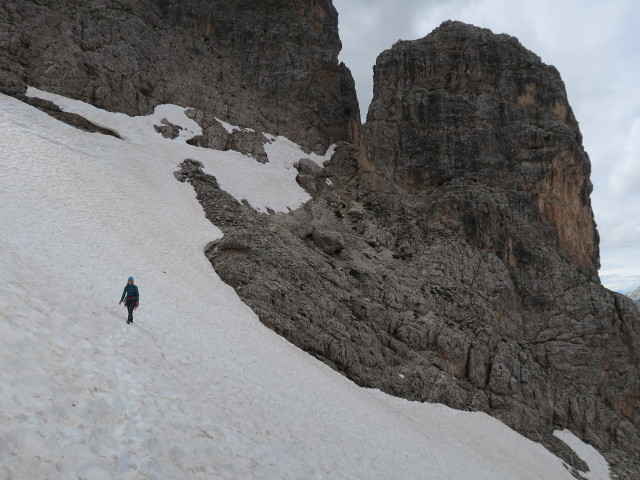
<point>598,466</point>
<point>196,387</point>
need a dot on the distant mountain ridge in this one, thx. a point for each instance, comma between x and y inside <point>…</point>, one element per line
<point>635,296</point>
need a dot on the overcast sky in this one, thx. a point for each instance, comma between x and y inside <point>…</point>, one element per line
<point>595,44</point>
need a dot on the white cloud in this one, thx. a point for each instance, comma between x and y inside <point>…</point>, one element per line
<point>626,178</point>
<point>617,220</point>
<point>594,46</point>
<point>618,267</point>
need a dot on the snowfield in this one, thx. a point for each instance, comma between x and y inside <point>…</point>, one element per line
<point>196,388</point>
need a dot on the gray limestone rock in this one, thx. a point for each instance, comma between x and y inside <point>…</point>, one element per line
<point>270,65</point>
<point>238,240</point>
<point>411,308</point>
<point>330,242</point>
<point>480,110</point>
<point>356,210</point>
<point>310,171</point>
<point>309,167</point>
<point>308,182</point>
<point>167,129</point>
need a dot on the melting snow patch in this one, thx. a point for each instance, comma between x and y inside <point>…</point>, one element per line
<point>137,130</point>
<point>227,126</point>
<point>232,128</point>
<point>284,153</point>
<point>265,186</point>
<point>598,466</point>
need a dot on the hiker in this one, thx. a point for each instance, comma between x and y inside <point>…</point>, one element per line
<point>131,298</point>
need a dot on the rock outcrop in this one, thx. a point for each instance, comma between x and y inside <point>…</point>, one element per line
<point>483,128</point>
<point>408,306</point>
<point>272,65</point>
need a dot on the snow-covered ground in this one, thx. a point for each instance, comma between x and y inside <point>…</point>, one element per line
<point>196,387</point>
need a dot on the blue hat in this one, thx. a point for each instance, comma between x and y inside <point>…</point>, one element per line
<point>130,279</point>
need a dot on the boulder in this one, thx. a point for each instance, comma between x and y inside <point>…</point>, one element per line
<point>308,182</point>
<point>330,242</point>
<point>309,167</point>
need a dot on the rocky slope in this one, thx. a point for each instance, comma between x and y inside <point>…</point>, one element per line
<point>373,287</point>
<point>449,253</point>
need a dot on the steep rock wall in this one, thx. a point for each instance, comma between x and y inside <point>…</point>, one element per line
<point>271,65</point>
<point>467,105</point>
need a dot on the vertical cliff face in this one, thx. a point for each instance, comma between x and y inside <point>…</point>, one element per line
<point>463,105</point>
<point>271,65</point>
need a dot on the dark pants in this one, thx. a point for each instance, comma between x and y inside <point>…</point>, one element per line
<point>131,304</point>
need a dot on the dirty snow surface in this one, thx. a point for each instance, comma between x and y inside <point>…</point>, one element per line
<point>196,387</point>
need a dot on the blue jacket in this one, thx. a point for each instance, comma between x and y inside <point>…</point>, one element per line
<point>130,291</point>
